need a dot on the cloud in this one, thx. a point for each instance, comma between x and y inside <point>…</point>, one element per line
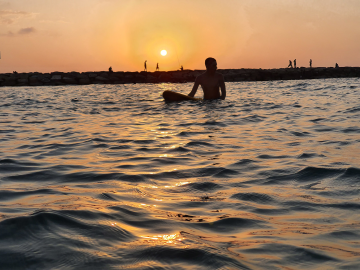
<point>4,4</point>
<point>13,12</point>
<point>6,21</point>
<point>8,17</point>
<point>21,32</point>
<point>26,31</point>
<point>8,34</point>
<point>54,21</point>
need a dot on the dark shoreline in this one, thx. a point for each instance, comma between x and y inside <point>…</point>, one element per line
<point>230,75</point>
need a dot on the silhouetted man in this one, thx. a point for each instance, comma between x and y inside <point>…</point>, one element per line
<point>295,63</point>
<point>336,65</point>
<point>310,63</point>
<point>110,70</point>
<point>290,64</point>
<point>145,68</point>
<point>157,67</point>
<point>211,82</point>
<point>181,68</point>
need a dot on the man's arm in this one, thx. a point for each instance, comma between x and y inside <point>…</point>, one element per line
<point>222,87</point>
<point>195,87</point>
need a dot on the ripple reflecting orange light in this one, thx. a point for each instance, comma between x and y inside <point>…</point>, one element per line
<point>166,239</point>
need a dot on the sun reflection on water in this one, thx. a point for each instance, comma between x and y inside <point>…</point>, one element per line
<point>178,184</point>
<point>166,239</point>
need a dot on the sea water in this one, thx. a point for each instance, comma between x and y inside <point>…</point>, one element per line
<point>112,177</point>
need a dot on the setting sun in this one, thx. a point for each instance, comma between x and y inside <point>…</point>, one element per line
<point>163,52</point>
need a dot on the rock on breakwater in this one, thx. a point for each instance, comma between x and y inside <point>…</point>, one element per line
<point>230,75</point>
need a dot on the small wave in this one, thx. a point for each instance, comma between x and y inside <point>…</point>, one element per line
<point>102,140</point>
<point>190,173</point>
<point>231,225</point>
<point>302,84</point>
<point>132,178</point>
<point>345,235</point>
<point>272,157</point>
<point>213,123</point>
<point>199,143</point>
<point>190,133</point>
<point>226,173</point>
<point>144,141</point>
<point>180,149</point>
<point>317,120</point>
<point>309,155</point>
<point>107,197</point>
<point>344,206</point>
<point>244,165</point>
<point>44,175</point>
<point>291,254</point>
<point>7,195</point>
<point>254,197</point>
<point>300,134</point>
<point>351,130</point>
<point>74,238</point>
<point>10,165</point>
<point>203,187</point>
<point>352,110</point>
<point>78,177</point>
<point>253,118</point>
<point>351,173</point>
<point>308,174</point>
<point>197,257</point>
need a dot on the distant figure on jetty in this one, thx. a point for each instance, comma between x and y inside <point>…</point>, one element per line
<point>181,68</point>
<point>290,64</point>
<point>145,68</point>
<point>14,72</point>
<point>336,65</point>
<point>110,70</point>
<point>157,67</point>
<point>295,63</point>
<point>210,82</point>
<point>310,63</point>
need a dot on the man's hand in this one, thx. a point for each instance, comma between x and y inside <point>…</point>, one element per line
<point>222,87</point>
<point>195,87</point>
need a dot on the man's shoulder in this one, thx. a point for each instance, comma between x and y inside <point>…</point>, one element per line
<point>201,76</point>
<point>219,75</point>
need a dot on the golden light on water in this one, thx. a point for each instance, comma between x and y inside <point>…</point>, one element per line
<point>164,239</point>
<point>163,52</point>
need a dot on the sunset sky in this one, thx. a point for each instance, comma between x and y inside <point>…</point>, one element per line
<point>91,35</point>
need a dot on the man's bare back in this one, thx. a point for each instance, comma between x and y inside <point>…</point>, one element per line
<point>211,82</point>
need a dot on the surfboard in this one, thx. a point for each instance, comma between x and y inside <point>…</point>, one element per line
<point>170,96</point>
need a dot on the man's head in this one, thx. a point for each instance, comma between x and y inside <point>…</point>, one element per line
<point>211,64</point>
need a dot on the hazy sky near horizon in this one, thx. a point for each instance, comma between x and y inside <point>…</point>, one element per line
<point>90,35</point>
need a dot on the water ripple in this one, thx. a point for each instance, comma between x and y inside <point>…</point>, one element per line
<point>111,177</point>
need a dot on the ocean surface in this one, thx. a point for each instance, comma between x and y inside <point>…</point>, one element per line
<point>112,177</point>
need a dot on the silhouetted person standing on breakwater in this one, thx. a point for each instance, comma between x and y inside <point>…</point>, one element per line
<point>211,82</point>
<point>145,68</point>
<point>336,65</point>
<point>310,63</point>
<point>181,68</point>
<point>110,70</point>
<point>295,63</point>
<point>290,64</point>
<point>157,67</point>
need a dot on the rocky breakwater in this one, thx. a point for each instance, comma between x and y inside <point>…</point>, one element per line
<point>230,75</point>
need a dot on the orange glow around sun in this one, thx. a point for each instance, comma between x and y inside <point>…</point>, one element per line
<point>163,52</point>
